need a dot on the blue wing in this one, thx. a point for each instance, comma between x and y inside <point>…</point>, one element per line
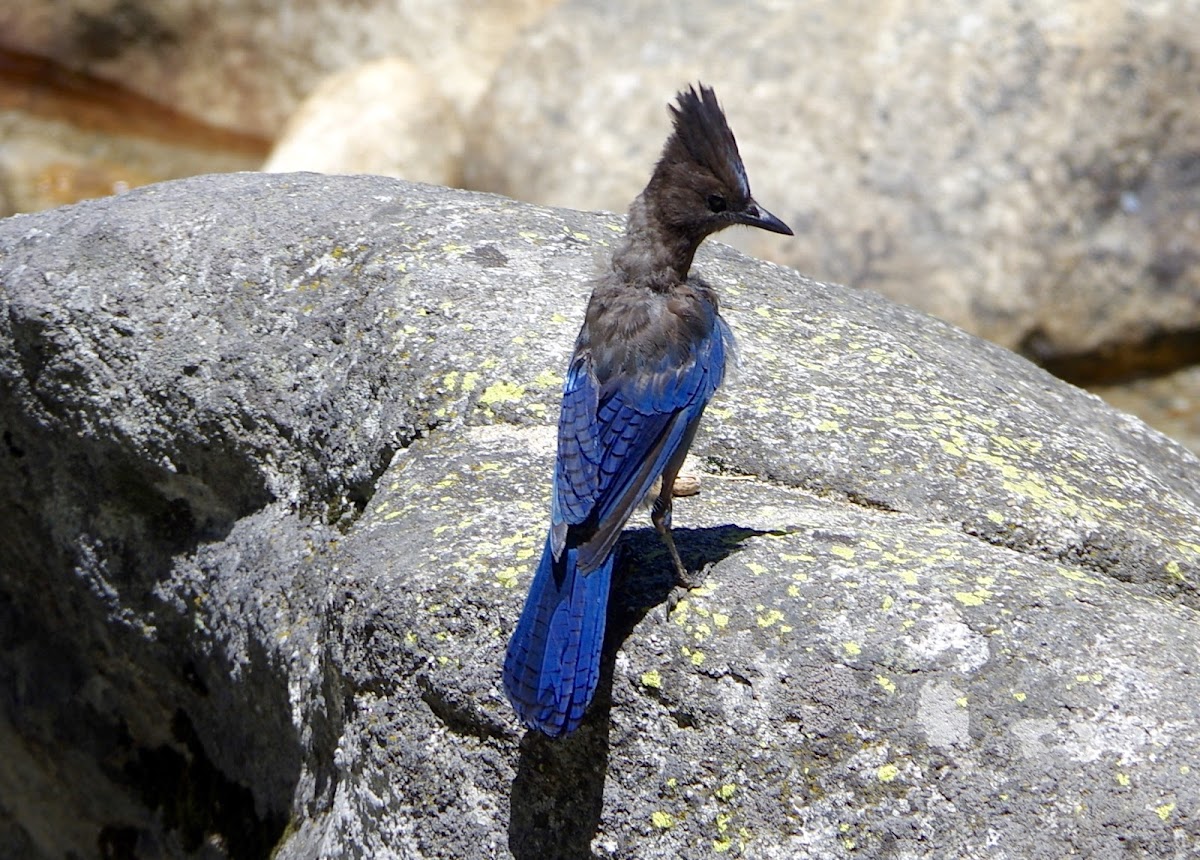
<point>615,437</point>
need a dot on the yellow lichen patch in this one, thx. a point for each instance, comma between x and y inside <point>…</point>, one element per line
<point>1019,696</point>
<point>950,448</point>
<point>1188,546</point>
<point>1074,575</point>
<point>1173,570</point>
<point>971,598</point>
<point>843,552</point>
<point>755,568</point>
<point>961,701</point>
<point>469,380</point>
<point>502,392</point>
<point>852,649</point>
<point>662,820</point>
<point>769,617</point>
<point>1122,779</point>
<point>697,658</point>
<point>887,772</point>
<point>652,680</point>
<point>886,682</point>
<point>908,577</point>
<point>1164,811</point>
<point>508,576</point>
<point>720,620</point>
<point>548,379</point>
<point>828,426</point>
<point>987,457</point>
<point>726,791</point>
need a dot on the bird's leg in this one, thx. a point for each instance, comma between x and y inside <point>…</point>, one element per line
<point>660,513</point>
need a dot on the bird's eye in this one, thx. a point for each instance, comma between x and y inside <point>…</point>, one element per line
<point>716,203</point>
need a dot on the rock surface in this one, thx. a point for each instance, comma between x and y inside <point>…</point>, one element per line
<point>274,459</point>
<point>67,136</point>
<point>1024,170</point>
<point>102,95</point>
<point>386,117</point>
<point>271,55</point>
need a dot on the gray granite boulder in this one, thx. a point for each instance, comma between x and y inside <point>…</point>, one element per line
<point>275,458</point>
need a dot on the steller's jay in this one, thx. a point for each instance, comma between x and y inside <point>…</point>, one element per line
<point>647,360</point>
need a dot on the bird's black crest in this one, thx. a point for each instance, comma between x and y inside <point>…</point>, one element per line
<point>702,132</point>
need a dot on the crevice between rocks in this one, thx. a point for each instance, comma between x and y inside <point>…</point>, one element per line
<point>1123,560</point>
<point>342,506</point>
<point>460,715</point>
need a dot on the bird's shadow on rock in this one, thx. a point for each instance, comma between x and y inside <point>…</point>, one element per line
<point>558,794</point>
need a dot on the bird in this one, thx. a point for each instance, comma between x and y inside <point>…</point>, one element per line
<point>648,358</point>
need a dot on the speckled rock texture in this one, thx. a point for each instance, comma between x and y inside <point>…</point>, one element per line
<point>275,467</point>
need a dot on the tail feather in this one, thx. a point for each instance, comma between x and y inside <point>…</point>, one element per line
<point>553,661</point>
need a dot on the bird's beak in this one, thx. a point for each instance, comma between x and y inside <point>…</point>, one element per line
<point>755,216</point>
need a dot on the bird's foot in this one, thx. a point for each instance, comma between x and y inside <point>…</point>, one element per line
<point>688,580</point>
<point>685,581</point>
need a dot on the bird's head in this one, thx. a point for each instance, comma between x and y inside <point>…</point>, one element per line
<point>699,185</point>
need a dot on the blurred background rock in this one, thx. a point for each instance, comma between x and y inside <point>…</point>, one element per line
<point>1030,172</point>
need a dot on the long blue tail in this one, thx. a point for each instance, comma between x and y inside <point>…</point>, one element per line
<point>553,661</point>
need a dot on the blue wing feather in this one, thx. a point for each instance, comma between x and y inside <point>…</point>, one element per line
<point>615,437</point>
